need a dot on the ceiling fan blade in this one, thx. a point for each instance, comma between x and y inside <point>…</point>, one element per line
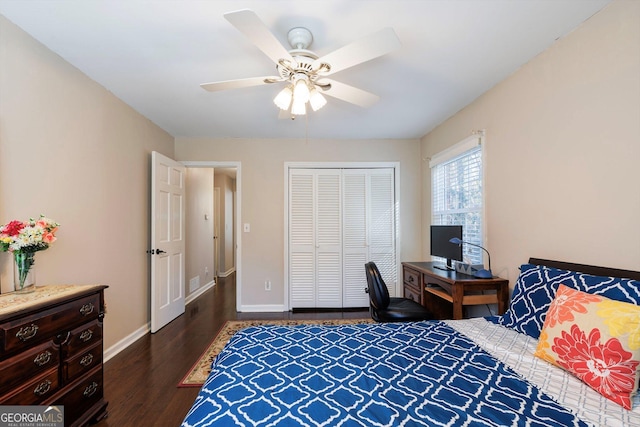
<point>350,94</point>
<point>249,24</point>
<point>240,83</point>
<point>363,50</point>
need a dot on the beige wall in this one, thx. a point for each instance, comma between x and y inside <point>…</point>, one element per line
<point>262,196</point>
<point>73,151</point>
<point>199,229</point>
<point>562,149</point>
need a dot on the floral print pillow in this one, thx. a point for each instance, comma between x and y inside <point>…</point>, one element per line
<point>596,339</point>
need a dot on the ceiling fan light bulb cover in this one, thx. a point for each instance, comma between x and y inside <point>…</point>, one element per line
<point>316,100</point>
<point>298,108</point>
<point>301,91</point>
<point>283,98</point>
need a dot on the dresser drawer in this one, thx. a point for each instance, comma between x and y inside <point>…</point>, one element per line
<point>16,370</point>
<point>83,362</point>
<point>81,395</point>
<point>22,333</point>
<point>34,391</point>
<point>83,337</point>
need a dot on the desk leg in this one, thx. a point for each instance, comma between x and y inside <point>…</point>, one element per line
<point>503,298</point>
<point>457,294</point>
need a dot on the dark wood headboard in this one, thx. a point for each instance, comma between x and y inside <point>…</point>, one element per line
<point>588,269</point>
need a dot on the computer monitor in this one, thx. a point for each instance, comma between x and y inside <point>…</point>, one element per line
<point>442,247</point>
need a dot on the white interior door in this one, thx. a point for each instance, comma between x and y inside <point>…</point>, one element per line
<point>369,230</point>
<point>328,239</point>
<point>355,237</point>
<point>302,271</point>
<point>315,238</point>
<point>167,240</point>
<point>381,223</point>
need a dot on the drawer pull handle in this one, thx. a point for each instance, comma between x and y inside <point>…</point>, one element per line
<point>91,389</point>
<point>411,279</point>
<point>86,360</point>
<point>43,358</point>
<point>86,335</point>
<point>27,332</point>
<point>86,309</point>
<point>42,388</point>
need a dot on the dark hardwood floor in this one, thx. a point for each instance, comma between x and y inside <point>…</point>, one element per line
<point>141,381</point>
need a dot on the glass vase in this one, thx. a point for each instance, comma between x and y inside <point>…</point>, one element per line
<point>24,274</point>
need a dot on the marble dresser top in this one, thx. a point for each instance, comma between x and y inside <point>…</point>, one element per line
<point>14,302</point>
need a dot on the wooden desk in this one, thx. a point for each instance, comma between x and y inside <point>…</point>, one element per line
<point>429,286</point>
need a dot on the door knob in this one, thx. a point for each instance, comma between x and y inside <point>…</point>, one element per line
<point>156,251</point>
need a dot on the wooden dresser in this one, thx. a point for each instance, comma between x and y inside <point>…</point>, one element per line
<point>51,350</point>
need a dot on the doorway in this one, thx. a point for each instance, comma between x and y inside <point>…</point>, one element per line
<point>215,207</point>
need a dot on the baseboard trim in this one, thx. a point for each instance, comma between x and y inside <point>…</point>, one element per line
<point>192,296</point>
<point>267,308</point>
<point>228,272</point>
<point>126,341</point>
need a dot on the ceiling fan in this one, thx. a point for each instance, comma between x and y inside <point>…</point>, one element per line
<point>304,73</point>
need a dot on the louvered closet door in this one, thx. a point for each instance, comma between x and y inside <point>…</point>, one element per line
<point>368,231</point>
<point>302,272</point>
<point>355,239</point>
<point>315,238</point>
<point>382,225</point>
<point>329,240</point>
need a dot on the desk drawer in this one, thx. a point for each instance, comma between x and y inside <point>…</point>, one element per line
<point>411,278</point>
<point>412,294</point>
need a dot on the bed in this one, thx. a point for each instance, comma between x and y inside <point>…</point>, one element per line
<point>516,369</point>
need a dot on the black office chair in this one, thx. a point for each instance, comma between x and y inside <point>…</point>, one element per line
<point>390,309</point>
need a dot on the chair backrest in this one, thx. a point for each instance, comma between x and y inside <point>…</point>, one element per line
<point>378,292</point>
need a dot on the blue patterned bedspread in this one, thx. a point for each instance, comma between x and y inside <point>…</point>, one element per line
<point>383,374</point>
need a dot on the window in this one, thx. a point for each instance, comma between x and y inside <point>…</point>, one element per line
<point>456,193</point>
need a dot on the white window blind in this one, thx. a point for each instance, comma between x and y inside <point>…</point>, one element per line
<point>456,179</point>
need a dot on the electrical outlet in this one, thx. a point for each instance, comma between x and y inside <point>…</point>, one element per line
<point>267,285</point>
<point>206,271</point>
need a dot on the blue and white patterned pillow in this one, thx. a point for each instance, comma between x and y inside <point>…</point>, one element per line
<point>537,285</point>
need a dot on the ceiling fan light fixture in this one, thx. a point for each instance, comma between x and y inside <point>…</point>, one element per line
<point>298,108</point>
<point>301,90</point>
<point>283,98</point>
<point>316,100</point>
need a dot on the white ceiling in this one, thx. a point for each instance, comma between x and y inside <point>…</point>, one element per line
<point>154,54</point>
